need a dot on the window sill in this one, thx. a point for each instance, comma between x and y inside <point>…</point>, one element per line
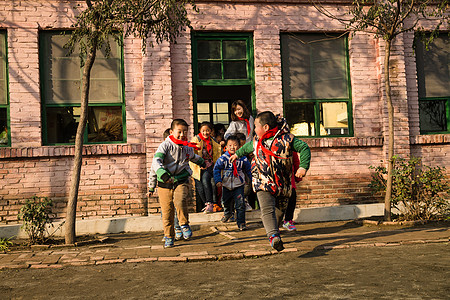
<point>430,139</point>
<point>55,151</point>
<point>343,142</point>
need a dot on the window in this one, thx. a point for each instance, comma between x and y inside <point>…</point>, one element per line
<point>61,78</point>
<point>316,84</point>
<point>433,73</point>
<point>5,135</point>
<point>222,73</point>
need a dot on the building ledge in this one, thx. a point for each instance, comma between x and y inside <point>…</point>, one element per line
<point>56,151</point>
<point>430,139</point>
<point>343,142</point>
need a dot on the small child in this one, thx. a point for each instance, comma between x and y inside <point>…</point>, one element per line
<point>210,151</point>
<point>218,134</point>
<point>170,164</point>
<point>272,169</point>
<point>230,177</point>
<point>241,121</point>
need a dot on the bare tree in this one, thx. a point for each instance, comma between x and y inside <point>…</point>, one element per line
<point>98,21</point>
<point>387,19</point>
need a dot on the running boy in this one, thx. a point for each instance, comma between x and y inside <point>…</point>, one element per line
<point>272,169</point>
<point>230,177</point>
<point>171,165</point>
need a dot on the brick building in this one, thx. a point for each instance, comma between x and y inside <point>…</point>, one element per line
<point>282,56</point>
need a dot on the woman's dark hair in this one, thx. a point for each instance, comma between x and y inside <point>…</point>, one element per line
<point>177,122</point>
<point>241,103</point>
<point>267,117</point>
<point>206,123</point>
<point>241,136</point>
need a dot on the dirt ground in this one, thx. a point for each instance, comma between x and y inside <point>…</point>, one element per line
<point>400,272</point>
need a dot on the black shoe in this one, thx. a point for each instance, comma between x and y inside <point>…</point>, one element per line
<point>243,227</point>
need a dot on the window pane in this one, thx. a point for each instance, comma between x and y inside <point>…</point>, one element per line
<point>203,108</point>
<point>63,91</point>
<point>221,107</point>
<point>300,117</point>
<point>433,68</point>
<point>104,91</point>
<point>234,50</point>
<point>220,118</point>
<point>203,118</point>
<point>105,124</point>
<point>55,43</point>
<point>106,68</point>
<point>3,127</point>
<point>62,123</point>
<point>334,118</point>
<point>3,89</point>
<point>65,68</point>
<point>235,69</point>
<point>432,116</point>
<point>208,49</point>
<point>314,66</point>
<point>209,70</point>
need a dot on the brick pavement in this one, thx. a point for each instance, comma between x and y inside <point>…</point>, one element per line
<point>216,241</point>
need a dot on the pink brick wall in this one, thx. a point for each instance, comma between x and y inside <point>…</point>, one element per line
<point>158,88</point>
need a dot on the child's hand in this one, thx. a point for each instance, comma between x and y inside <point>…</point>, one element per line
<point>233,158</point>
<point>301,172</point>
<point>222,144</point>
<point>150,193</point>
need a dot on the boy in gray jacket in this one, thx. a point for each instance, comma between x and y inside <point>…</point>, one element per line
<point>171,165</point>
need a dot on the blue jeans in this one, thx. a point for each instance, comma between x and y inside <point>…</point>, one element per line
<point>205,188</point>
<point>237,195</point>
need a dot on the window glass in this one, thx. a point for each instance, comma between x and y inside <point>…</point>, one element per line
<point>209,70</point>
<point>3,81</point>
<point>3,127</point>
<point>235,70</point>
<point>334,118</point>
<point>208,49</point>
<point>62,83</point>
<point>433,116</point>
<point>234,50</point>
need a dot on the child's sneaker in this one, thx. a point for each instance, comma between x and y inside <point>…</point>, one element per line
<point>276,242</point>
<point>217,208</point>
<point>243,227</point>
<point>289,225</point>
<point>248,206</point>
<point>225,219</point>
<point>209,208</point>
<point>187,232</point>
<point>178,233</point>
<point>231,219</point>
<point>168,242</point>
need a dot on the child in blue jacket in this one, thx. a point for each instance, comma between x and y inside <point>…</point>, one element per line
<point>230,177</point>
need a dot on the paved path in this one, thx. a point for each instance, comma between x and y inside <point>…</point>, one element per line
<point>217,241</point>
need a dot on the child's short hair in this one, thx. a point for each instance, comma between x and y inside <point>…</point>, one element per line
<point>177,122</point>
<point>218,127</point>
<point>241,136</point>
<point>166,133</point>
<point>241,103</point>
<point>206,123</point>
<point>233,138</point>
<point>267,117</point>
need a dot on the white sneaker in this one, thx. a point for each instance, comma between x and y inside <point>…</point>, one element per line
<point>209,208</point>
<point>248,207</point>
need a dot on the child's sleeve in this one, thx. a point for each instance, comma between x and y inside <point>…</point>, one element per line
<point>245,150</point>
<point>217,171</point>
<point>197,159</point>
<point>304,152</point>
<point>152,181</point>
<point>158,164</point>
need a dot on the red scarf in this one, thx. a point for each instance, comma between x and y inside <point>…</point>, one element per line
<point>269,133</point>
<point>184,143</point>
<point>207,141</point>
<point>248,125</point>
<point>235,170</point>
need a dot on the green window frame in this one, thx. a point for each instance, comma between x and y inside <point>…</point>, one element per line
<point>433,77</point>
<point>61,78</point>
<point>316,84</point>
<point>222,68</point>
<point>5,133</point>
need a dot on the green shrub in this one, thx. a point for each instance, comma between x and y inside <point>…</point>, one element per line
<point>5,244</point>
<point>417,190</point>
<point>35,216</point>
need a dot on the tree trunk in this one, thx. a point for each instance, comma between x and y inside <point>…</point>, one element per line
<point>76,172</point>
<point>388,196</point>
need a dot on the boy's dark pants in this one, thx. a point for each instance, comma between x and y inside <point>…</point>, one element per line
<point>236,194</point>
<point>271,216</point>
<point>289,215</point>
<point>171,199</point>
